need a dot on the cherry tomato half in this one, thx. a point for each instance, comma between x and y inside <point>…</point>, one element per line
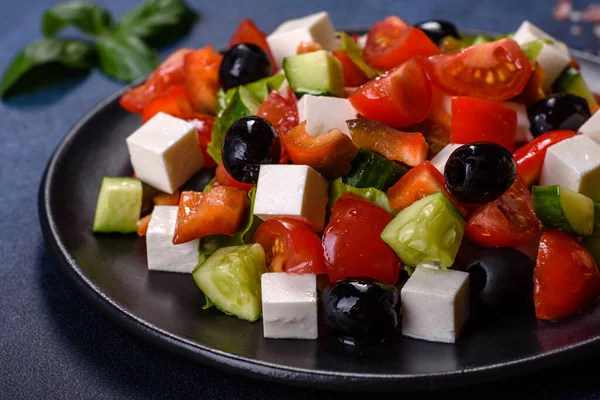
<point>291,246</point>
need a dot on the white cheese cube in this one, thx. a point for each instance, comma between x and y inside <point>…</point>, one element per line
<point>316,28</point>
<point>289,306</point>
<point>440,159</point>
<point>162,254</point>
<point>435,304</point>
<point>574,163</point>
<point>591,127</point>
<point>553,58</point>
<point>524,134</point>
<point>291,191</point>
<point>323,113</point>
<point>164,152</point>
<point>362,40</point>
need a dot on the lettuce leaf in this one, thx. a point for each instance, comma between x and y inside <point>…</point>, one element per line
<point>353,50</point>
<point>338,187</point>
<point>533,49</point>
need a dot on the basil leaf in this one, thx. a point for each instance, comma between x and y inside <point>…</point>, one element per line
<point>157,21</point>
<point>87,17</point>
<point>533,49</point>
<point>353,50</point>
<point>338,188</point>
<point>126,58</point>
<point>45,60</point>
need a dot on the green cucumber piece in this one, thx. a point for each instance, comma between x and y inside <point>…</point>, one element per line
<point>571,81</point>
<point>318,73</point>
<point>119,205</point>
<point>338,188</point>
<point>230,279</point>
<point>427,232</point>
<point>372,170</point>
<point>562,208</point>
<point>592,243</point>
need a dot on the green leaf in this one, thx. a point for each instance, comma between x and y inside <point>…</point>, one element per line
<point>87,17</point>
<point>352,49</point>
<point>261,88</point>
<point>157,21</point>
<point>481,39</point>
<point>210,184</point>
<point>338,187</point>
<point>533,49</point>
<point>36,64</point>
<point>126,58</point>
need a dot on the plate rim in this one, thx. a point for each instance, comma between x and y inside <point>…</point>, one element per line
<point>259,369</point>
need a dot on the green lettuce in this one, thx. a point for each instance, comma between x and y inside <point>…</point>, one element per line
<point>533,49</point>
<point>338,187</point>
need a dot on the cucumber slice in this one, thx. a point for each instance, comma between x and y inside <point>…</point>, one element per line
<point>592,243</point>
<point>318,73</point>
<point>230,279</point>
<point>427,232</point>
<point>562,208</point>
<point>571,81</point>
<point>119,205</point>
<point>372,170</point>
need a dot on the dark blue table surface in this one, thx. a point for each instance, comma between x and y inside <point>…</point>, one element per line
<point>53,344</point>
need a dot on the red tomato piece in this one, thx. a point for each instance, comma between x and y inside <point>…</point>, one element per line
<point>399,98</point>
<point>248,32</point>
<point>479,120</point>
<point>282,113</point>
<point>201,69</point>
<point>352,242</point>
<point>142,225</point>
<point>353,76</point>
<point>566,278</point>
<point>308,47</point>
<point>392,41</point>
<point>409,148</point>
<point>174,101</point>
<point>508,221</point>
<point>168,74</point>
<point>220,210</point>
<point>417,183</point>
<point>495,71</point>
<point>329,153</point>
<point>224,179</point>
<point>530,158</point>
<point>204,127</point>
<point>533,89</point>
<point>166,199</point>
<point>291,246</point>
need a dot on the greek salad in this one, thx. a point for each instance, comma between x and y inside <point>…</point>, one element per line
<point>395,181</point>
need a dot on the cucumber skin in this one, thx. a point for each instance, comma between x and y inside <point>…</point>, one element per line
<point>372,170</point>
<point>571,81</point>
<point>548,204</point>
<point>335,78</point>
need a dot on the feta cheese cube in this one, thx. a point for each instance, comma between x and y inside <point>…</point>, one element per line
<point>524,134</point>
<point>164,152</point>
<point>289,306</point>
<point>291,191</point>
<point>574,163</point>
<point>316,28</point>
<point>323,113</point>
<point>440,159</point>
<point>435,304</point>
<point>553,58</point>
<point>362,40</point>
<point>591,127</point>
<point>162,254</point>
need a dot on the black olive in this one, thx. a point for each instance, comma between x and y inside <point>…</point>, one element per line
<point>244,63</point>
<point>360,310</point>
<point>558,111</point>
<point>480,172</point>
<point>249,142</point>
<point>502,279</point>
<point>438,29</point>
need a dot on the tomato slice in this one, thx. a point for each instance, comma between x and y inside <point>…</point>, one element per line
<point>566,278</point>
<point>224,179</point>
<point>353,76</point>
<point>291,246</point>
<point>479,120</point>
<point>201,69</point>
<point>219,210</point>
<point>399,98</point>
<point>495,71</point>
<point>142,225</point>
<point>392,41</point>
<point>352,241</point>
<point>308,47</point>
<point>282,113</point>
<point>248,32</point>
<point>204,127</point>
<point>329,153</point>
<point>174,101</point>
<point>508,221</point>
<point>417,183</point>
<point>530,158</point>
<point>168,74</point>
<point>533,89</point>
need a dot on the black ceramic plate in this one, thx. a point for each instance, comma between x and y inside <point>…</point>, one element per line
<point>165,308</point>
